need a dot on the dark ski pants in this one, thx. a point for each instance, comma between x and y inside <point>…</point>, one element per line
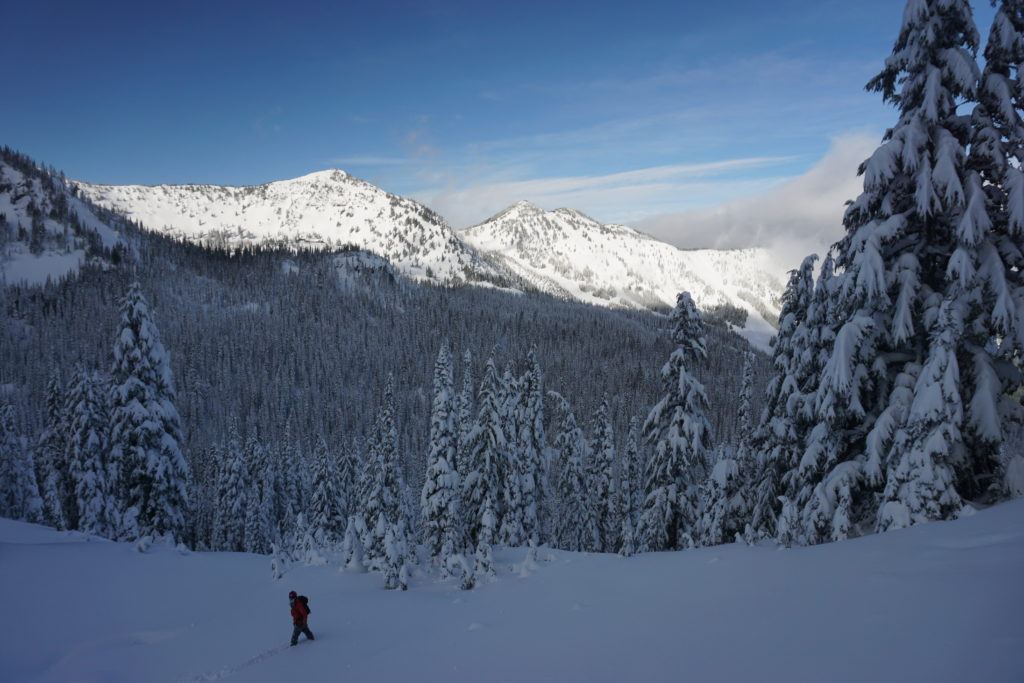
<point>301,628</point>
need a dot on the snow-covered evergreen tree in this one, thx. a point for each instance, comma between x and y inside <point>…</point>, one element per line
<point>395,567</point>
<point>233,490</point>
<point>440,502</point>
<point>533,447</point>
<point>325,518</point>
<point>145,427</point>
<point>680,431</point>
<point>988,263</point>
<point>483,562</point>
<point>629,493</point>
<point>384,488</point>
<point>465,415</point>
<point>54,472</point>
<point>293,496</point>
<point>349,468</point>
<point>724,504</point>
<point>744,416</point>
<point>778,441</point>
<point>575,526</point>
<point>788,527</point>
<point>261,528</point>
<point>920,485</point>
<point>511,504</point>
<point>919,239</point>
<point>512,531</point>
<point>19,493</point>
<point>486,444</point>
<point>602,485</point>
<point>352,547</point>
<point>87,445</point>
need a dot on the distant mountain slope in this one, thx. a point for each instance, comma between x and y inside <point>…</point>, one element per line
<point>566,253</point>
<point>46,231</point>
<point>563,252</point>
<point>326,209</point>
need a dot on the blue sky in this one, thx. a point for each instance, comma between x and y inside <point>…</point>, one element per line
<point>626,110</point>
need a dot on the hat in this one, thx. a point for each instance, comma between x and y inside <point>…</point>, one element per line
<point>291,594</point>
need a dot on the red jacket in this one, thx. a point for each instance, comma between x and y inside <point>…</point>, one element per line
<point>299,612</point>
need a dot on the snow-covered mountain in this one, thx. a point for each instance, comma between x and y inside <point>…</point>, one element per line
<point>46,232</point>
<point>569,254</point>
<point>324,209</point>
<point>563,252</point>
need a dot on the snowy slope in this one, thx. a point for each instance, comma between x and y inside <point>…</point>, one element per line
<point>561,252</point>
<point>63,251</point>
<point>938,602</point>
<point>566,253</point>
<point>323,209</point>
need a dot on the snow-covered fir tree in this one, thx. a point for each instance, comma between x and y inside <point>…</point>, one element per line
<point>511,504</point>
<point>920,485</point>
<point>349,469</point>
<point>54,472</point>
<point>440,502</point>
<point>996,333</point>
<point>145,428</point>
<point>919,259</point>
<point>325,518</point>
<point>725,504</point>
<point>486,446</point>
<point>465,415</point>
<point>628,488</point>
<point>260,523</point>
<point>511,530</point>
<point>233,490</point>
<point>19,493</point>
<point>293,494</point>
<point>778,442</point>
<point>533,447</point>
<point>395,567</point>
<point>575,528</point>
<point>384,487</point>
<point>681,435</point>
<point>352,547</point>
<point>87,446</point>
<point>483,561</point>
<point>602,481</point>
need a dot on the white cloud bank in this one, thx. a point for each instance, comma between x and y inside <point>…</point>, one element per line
<point>618,197</point>
<point>802,215</point>
<point>746,202</point>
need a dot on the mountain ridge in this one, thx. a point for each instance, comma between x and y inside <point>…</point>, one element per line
<point>567,253</point>
<point>563,253</point>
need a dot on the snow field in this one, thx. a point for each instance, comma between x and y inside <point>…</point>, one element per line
<point>937,602</point>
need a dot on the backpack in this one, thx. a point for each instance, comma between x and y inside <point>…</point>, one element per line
<point>305,602</point>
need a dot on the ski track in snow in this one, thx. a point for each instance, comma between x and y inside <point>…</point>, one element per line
<point>228,671</point>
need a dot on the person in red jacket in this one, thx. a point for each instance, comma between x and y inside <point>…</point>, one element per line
<point>300,615</point>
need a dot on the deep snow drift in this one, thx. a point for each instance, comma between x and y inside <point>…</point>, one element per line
<point>940,602</point>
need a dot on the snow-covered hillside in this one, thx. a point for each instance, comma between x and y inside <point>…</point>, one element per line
<point>937,602</point>
<point>323,209</point>
<point>567,253</point>
<point>45,231</point>
<point>562,252</point>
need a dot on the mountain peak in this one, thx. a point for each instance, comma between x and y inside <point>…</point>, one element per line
<point>327,209</point>
<point>569,254</point>
<point>327,175</point>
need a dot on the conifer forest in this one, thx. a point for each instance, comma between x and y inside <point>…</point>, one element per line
<point>316,405</point>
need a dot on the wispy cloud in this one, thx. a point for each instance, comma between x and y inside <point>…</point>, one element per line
<point>800,216</point>
<point>610,197</point>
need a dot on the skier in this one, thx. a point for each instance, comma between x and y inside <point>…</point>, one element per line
<point>300,613</point>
